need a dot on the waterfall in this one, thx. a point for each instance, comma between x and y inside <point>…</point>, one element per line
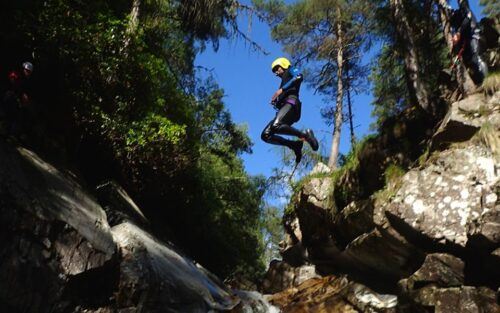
<point>254,302</point>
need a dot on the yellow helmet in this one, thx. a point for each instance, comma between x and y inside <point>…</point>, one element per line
<point>283,62</point>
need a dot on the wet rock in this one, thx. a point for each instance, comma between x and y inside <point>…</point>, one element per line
<point>43,190</point>
<point>465,117</point>
<point>56,244</point>
<point>384,253</point>
<point>156,278</point>
<point>118,205</point>
<point>441,270</point>
<point>458,299</point>
<point>59,254</point>
<point>253,302</point>
<point>353,221</point>
<point>291,247</point>
<point>333,295</point>
<point>281,276</point>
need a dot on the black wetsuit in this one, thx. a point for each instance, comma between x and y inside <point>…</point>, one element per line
<point>289,109</point>
<point>465,23</point>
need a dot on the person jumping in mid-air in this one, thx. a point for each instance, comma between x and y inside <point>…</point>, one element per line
<point>286,101</point>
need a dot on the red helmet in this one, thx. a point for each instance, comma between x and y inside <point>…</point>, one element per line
<point>13,76</point>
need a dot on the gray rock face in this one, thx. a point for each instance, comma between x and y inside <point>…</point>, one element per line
<point>441,270</point>
<point>291,247</point>
<point>466,116</point>
<point>445,199</point>
<point>458,299</point>
<point>353,221</point>
<point>333,294</point>
<point>436,230</point>
<point>59,254</point>
<point>314,210</point>
<point>384,253</point>
<point>55,238</point>
<point>321,168</point>
<point>158,279</point>
<point>46,192</point>
<point>282,275</point>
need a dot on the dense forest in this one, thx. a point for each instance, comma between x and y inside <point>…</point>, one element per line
<point>116,96</point>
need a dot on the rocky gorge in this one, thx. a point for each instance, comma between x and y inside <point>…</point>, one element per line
<point>370,238</point>
<point>427,239</point>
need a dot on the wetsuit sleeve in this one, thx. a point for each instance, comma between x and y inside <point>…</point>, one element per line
<point>297,78</point>
<point>466,19</point>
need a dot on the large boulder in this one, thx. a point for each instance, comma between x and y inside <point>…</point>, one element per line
<point>439,269</point>
<point>435,229</point>
<point>156,278</point>
<point>314,209</point>
<point>58,252</point>
<point>445,200</point>
<point>464,299</point>
<point>353,221</point>
<point>351,239</point>
<point>466,117</point>
<point>281,276</point>
<point>333,295</point>
<point>56,244</point>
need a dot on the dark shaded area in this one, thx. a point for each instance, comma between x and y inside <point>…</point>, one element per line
<point>94,288</point>
<point>420,240</point>
<point>481,267</point>
<point>401,140</point>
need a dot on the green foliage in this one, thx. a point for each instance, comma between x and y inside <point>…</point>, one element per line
<point>392,173</point>
<point>491,84</point>
<point>388,77</point>
<point>389,89</point>
<point>230,214</point>
<point>488,137</point>
<point>122,99</point>
<point>273,232</point>
<point>349,164</point>
<point>392,176</point>
<point>308,32</point>
<point>491,8</point>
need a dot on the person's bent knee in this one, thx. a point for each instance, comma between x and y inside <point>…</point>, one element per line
<point>266,135</point>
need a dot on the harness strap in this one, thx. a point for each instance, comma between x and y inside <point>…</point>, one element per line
<point>291,99</point>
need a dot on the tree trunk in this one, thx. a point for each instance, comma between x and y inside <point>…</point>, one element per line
<point>132,23</point>
<point>337,127</point>
<point>349,105</point>
<point>417,89</point>
<point>463,78</point>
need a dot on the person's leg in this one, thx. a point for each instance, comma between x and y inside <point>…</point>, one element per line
<point>283,121</point>
<point>480,67</point>
<point>287,115</point>
<point>277,124</point>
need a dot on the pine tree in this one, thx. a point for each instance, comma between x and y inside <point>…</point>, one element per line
<point>324,35</point>
<point>422,49</point>
<point>491,8</point>
<point>418,90</point>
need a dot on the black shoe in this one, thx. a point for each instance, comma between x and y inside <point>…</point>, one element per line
<point>297,149</point>
<point>311,140</point>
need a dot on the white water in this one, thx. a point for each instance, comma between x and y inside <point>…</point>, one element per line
<point>254,302</point>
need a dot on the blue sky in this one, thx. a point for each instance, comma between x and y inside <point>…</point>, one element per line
<point>248,82</point>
